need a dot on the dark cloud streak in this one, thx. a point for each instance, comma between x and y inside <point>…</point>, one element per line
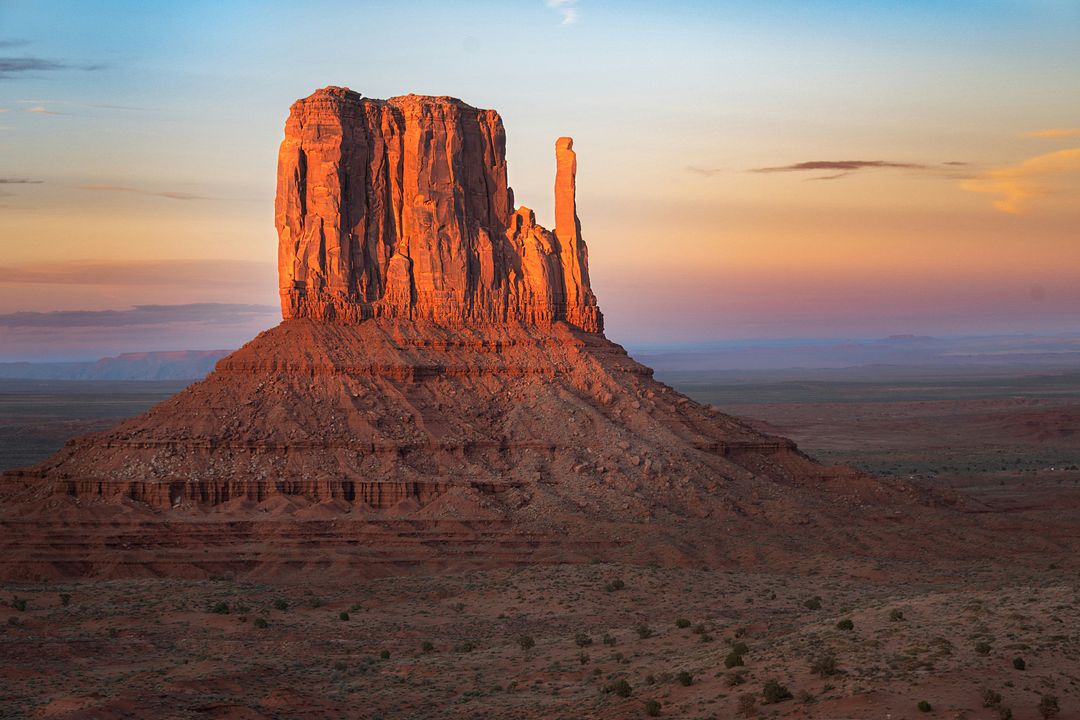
<point>12,67</point>
<point>140,316</point>
<point>843,165</point>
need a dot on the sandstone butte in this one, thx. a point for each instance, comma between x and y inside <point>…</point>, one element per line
<point>440,393</point>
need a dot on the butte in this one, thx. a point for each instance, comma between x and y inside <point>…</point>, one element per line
<point>440,393</point>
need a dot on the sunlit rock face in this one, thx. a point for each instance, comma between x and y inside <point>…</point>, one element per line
<point>400,208</point>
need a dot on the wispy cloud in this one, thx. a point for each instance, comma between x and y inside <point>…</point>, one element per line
<point>15,67</point>
<point>42,110</point>
<point>567,10</point>
<point>846,166</point>
<point>703,171</point>
<point>19,181</point>
<point>1036,178</point>
<point>1054,133</point>
<point>209,275</point>
<point>170,194</point>
<point>138,315</point>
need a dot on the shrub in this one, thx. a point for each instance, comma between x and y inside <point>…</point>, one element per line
<point>582,640</point>
<point>615,585</point>
<point>733,659</point>
<point>19,603</point>
<point>13,621</point>
<point>281,604</point>
<point>740,647</point>
<point>845,624</point>
<point>644,632</point>
<point>774,692</point>
<point>65,599</point>
<point>619,687</point>
<point>706,637</point>
<point>609,639</point>
<point>896,615</point>
<point>1019,663</point>
<point>813,603</point>
<point>583,658</point>
<point>806,697</point>
<point>385,654</point>
<point>261,623</point>
<point>426,646</point>
<point>652,708</point>
<point>221,608</point>
<point>736,678</point>
<point>685,679</point>
<point>1048,707</point>
<point>982,647</point>
<point>699,629</point>
<point>682,624</point>
<point>825,666</point>
<point>526,643</point>
<point>340,666</point>
<point>343,616</point>
<point>924,706</point>
<point>466,647</point>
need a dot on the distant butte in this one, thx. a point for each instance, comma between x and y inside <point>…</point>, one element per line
<point>439,394</point>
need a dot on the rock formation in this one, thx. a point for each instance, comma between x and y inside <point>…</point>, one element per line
<point>400,208</point>
<point>439,392</point>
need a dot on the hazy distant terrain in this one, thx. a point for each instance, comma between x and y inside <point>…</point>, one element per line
<point>178,365</point>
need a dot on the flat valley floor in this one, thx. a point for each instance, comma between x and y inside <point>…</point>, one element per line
<point>986,639</point>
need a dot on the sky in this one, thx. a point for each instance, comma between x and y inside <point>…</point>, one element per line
<point>746,170</point>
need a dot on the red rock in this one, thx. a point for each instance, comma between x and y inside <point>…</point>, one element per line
<point>400,208</point>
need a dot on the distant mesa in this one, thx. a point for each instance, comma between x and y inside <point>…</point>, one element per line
<point>400,208</point>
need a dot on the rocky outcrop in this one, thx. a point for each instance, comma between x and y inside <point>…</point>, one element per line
<point>400,208</point>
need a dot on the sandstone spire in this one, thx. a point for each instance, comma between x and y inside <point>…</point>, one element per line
<point>573,253</point>
<point>400,208</point>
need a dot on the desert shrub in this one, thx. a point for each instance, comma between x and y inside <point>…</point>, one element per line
<point>652,708</point>
<point>845,624</point>
<point>1019,663</point>
<point>261,623</point>
<point>526,643</point>
<point>806,697</point>
<point>650,679</point>
<point>458,606</point>
<point>340,666</point>
<point>982,647</point>
<point>609,639</point>
<point>735,679</point>
<point>924,706</point>
<point>990,698</point>
<point>19,603</point>
<point>644,632</point>
<point>583,658</point>
<point>385,654</point>
<point>13,621</point>
<point>65,599</point>
<point>466,647</point>
<point>825,666</point>
<point>685,679</point>
<point>896,615</point>
<point>813,603</point>
<point>682,623</point>
<point>220,608</point>
<point>733,659</point>
<point>343,616</point>
<point>619,687</point>
<point>1004,713</point>
<point>355,607</point>
<point>699,629</point>
<point>1048,707</point>
<point>740,647</point>
<point>281,604</point>
<point>747,705</point>
<point>615,585</point>
<point>426,646</point>
<point>582,640</point>
<point>706,637</point>
<point>774,692</point>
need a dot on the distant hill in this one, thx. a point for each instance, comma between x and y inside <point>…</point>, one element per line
<point>172,365</point>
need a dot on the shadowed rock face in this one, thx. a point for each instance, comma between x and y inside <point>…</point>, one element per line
<point>400,208</point>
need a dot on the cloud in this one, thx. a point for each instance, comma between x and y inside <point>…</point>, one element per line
<point>42,110</point>
<point>19,181</point>
<point>170,194</point>
<point>703,171</point>
<point>847,166</point>
<point>15,67</point>
<point>206,275</point>
<point>566,9</point>
<point>4,110</point>
<point>139,315</point>
<point>1054,133</point>
<point>1036,178</point>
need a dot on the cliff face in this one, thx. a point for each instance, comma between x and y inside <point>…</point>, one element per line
<point>400,208</point>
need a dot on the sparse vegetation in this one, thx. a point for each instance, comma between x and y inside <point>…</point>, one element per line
<point>652,708</point>
<point>682,623</point>
<point>343,616</point>
<point>845,624</point>
<point>261,623</point>
<point>733,659</point>
<point>896,615</point>
<point>813,603</point>
<point>644,631</point>
<point>982,647</point>
<point>582,640</point>
<point>774,692</point>
<point>747,705</point>
<point>281,604</point>
<point>825,666</point>
<point>685,679</point>
<point>220,608</point>
<point>526,642</point>
<point>924,706</point>
<point>1019,663</point>
<point>615,585</point>
<point>619,687</point>
<point>1048,707</point>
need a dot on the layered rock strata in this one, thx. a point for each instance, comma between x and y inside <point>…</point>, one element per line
<point>400,208</point>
